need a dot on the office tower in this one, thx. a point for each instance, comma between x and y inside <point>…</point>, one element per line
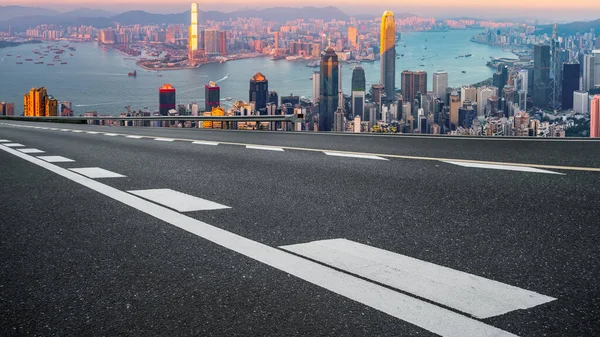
<point>352,37</point>
<point>291,99</point>
<point>212,96</point>
<point>522,94</point>
<point>259,89</point>
<point>211,42</point>
<point>454,106</point>
<point>588,72</point>
<point>2,108</point>
<point>193,34</point>
<point>328,98</point>
<point>541,75</point>
<point>524,78</point>
<point>359,83</point>
<point>388,55</point>
<point>483,93</point>
<point>358,104</point>
<point>273,98</point>
<point>316,86</point>
<point>500,77</point>
<point>166,99</point>
<point>223,43</point>
<point>413,82</point>
<point>468,93</point>
<point>377,92</point>
<point>596,73</point>
<point>440,83</point>
<point>276,41</point>
<point>37,103</point>
<point>595,117</point>
<point>570,84</point>
<point>581,102</point>
<point>493,107</point>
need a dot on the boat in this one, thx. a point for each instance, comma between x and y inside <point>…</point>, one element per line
<point>133,74</point>
<point>464,71</point>
<point>19,56</point>
<point>425,48</point>
<point>404,46</point>
<point>468,55</point>
<point>63,63</point>
<point>461,55</point>
<point>50,64</point>
<point>228,98</point>
<point>401,55</point>
<point>39,62</point>
<point>421,65</point>
<point>19,62</point>
<point>70,54</point>
<point>8,54</point>
<point>277,57</point>
<point>28,59</point>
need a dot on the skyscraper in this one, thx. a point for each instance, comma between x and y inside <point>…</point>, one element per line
<point>166,99</point>
<point>259,89</point>
<point>352,37</point>
<point>358,105</point>
<point>440,83</point>
<point>211,42</point>
<point>595,117</point>
<point>541,75</point>
<point>588,72</point>
<point>193,34</point>
<point>359,83</point>
<point>328,101</point>
<point>412,83</point>
<point>37,102</point>
<point>468,93</point>
<point>454,106</point>
<point>570,84</point>
<point>581,102</point>
<point>212,96</point>
<point>316,86</point>
<point>388,55</point>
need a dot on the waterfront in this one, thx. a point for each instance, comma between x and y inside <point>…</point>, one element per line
<point>96,79</point>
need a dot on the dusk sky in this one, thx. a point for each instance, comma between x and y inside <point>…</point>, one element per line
<point>543,9</point>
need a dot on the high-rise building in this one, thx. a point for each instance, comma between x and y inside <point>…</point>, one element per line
<point>259,89</point>
<point>223,43</point>
<point>377,92</point>
<point>193,34</point>
<point>581,102</point>
<point>596,73</point>
<point>483,93</point>
<point>359,82</point>
<point>211,42</point>
<point>541,76</point>
<point>588,72</point>
<point>37,103</point>
<point>328,101</point>
<point>595,117</point>
<point>358,104</point>
<point>413,82</point>
<point>316,86</point>
<point>166,99</point>
<point>454,106</point>
<point>570,84</point>
<point>440,83</point>
<point>524,78</point>
<point>468,93</point>
<point>500,77</point>
<point>273,98</point>
<point>388,55</point>
<point>352,37</point>
<point>212,96</point>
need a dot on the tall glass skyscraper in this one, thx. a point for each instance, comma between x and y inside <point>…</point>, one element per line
<point>359,83</point>
<point>259,90</point>
<point>328,98</point>
<point>166,99</point>
<point>193,43</point>
<point>541,76</point>
<point>388,55</point>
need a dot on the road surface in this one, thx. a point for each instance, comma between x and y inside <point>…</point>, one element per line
<point>144,231</point>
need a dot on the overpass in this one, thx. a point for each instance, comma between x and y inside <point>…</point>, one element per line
<point>158,231</point>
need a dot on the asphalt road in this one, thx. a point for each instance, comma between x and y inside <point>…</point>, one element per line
<point>83,256</point>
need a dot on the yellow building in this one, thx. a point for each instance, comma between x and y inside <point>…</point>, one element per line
<point>37,103</point>
<point>216,111</point>
<point>454,105</point>
<point>352,36</point>
<point>387,53</point>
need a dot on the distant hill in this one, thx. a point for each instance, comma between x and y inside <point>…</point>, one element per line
<point>571,28</point>
<point>86,13</point>
<point>10,12</point>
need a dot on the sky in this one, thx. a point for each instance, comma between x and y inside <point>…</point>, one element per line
<point>543,9</point>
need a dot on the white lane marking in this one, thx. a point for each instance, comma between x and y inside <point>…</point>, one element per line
<point>4,141</point>
<point>110,134</point>
<point>92,132</point>
<point>31,150</point>
<point>267,148</point>
<point>134,137</point>
<point>462,291</point>
<point>501,167</point>
<point>203,142</point>
<point>65,130</point>
<point>420,313</point>
<point>96,172</point>
<point>77,131</point>
<point>177,200</point>
<point>354,155</point>
<point>164,139</point>
<point>13,144</point>
<point>56,159</point>
<point>53,129</point>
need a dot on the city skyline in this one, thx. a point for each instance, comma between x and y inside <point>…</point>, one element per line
<point>577,10</point>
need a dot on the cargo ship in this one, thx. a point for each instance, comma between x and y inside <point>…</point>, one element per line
<point>133,74</point>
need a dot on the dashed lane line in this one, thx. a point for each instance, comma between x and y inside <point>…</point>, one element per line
<point>31,150</point>
<point>96,172</point>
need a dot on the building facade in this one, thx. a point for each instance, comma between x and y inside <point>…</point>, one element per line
<point>212,96</point>
<point>166,99</point>
<point>328,98</point>
<point>388,55</point>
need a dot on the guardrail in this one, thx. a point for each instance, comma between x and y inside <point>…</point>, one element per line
<point>293,118</point>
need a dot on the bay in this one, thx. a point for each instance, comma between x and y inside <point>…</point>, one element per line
<point>95,79</point>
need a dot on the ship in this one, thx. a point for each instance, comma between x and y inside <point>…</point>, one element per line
<point>133,74</point>
<point>464,71</point>
<point>314,64</point>
<point>19,56</point>
<point>63,63</point>
<point>19,62</point>
<point>8,54</point>
<point>228,99</point>
<point>28,59</point>
<point>277,57</point>
<point>50,64</point>
<point>39,62</point>
<point>468,55</point>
